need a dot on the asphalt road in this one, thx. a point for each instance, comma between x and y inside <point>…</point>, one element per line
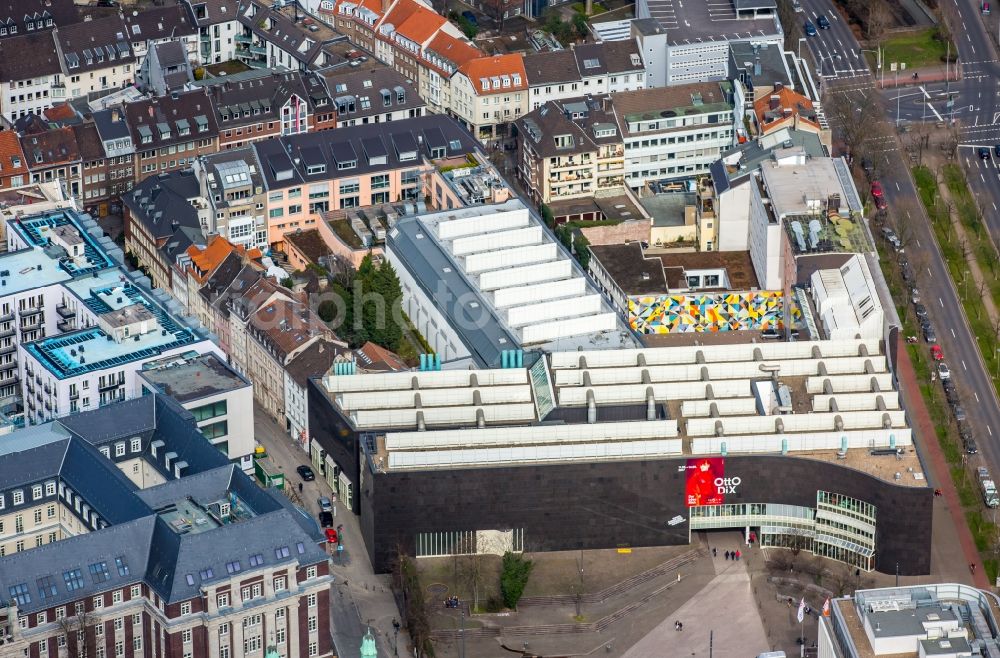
<point>834,51</point>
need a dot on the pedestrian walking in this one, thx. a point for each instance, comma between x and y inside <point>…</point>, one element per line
<point>727,555</point>
<point>714,553</point>
<point>737,555</point>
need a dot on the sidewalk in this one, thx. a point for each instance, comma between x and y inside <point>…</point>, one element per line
<point>933,459</point>
<point>358,597</point>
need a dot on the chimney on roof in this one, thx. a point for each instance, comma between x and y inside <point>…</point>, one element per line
<point>778,86</point>
<point>774,102</point>
<point>115,115</point>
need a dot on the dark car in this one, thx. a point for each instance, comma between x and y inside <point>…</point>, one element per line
<point>469,16</point>
<point>929,334</point>
<point>326,519</point>
<point>984,153</point>
<point>921,311</point>
<point>959,413</point>
<point>907,272</point>
<point>770,334</point>
<point>810,29</point>
<point>306,473</point>
<point>996,150</point>
<point>822,23</point>
<point>970,446</point>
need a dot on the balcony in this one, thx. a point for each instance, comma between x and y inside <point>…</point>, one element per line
<point>9,349</point>
<point>7,317</point>
<point>9,381</point>
<point>66,325</point>
<point>110,386</point>
<point>7,333</point>
<point>32,324</point>
<point>28,312</point>
<point>65,311</point>
<point>243,38</point>
<point>257,50</point>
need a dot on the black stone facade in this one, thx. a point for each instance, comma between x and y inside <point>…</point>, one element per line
<point>627,503</point>
<point>333,433</point>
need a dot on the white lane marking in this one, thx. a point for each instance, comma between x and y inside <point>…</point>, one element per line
<point>898,188</point>
<point>976,395</point>
<point>964,366</point>
<point>940,302</point>
<point>953,333</point>
<point>989,430</point>
<point>918,245</point>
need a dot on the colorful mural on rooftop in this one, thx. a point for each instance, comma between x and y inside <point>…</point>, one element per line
<point>711,312</point>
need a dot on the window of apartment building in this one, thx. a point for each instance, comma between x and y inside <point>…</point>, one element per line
<point>279,584</point>
<point>215,430</point>
<point>137,644</point>
<point>380,181</point>
<point>99,572</point>
<point>279,614</point>
<point>251,644</point>
<point>311,623</point>
<point>136,619</point>
<point>119,623</point>
<point>39,540</point>
<point>251,620</point>
<point>311,572</point>
<point>18,497</point>
<point>136,445</point>
<point>116,597</point>
<point>223,629</point>
<point>350,202</point>
<point>222,600</point>
<point>78,608</point>
<point>276,212</point>
<point>313,649</point>
<point>245,594</point>
<point>98,602</point>
<point>119,450</point>
<point>311,600</point>
<point>295,193</point>
<point>60,612</point>
<point>212,410</point>
<point>74,581</point>
<point>186,636</point>
<point>43,647</point>
<point>186,608</point>
<point>50,488</point>
<point>61,641</point>
<point>279,636</point>
<point>99,630</point>
<point>41,618</point>
<point>38,516</point>
<point>224,651</point>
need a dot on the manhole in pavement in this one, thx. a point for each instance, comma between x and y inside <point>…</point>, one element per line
<point>437,589</point>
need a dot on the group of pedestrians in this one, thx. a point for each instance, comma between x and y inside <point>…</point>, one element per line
<point>730,555</point>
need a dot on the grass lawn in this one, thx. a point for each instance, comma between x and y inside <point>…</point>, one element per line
<point>916,49</point>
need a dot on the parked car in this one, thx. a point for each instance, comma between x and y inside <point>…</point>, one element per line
<point>970,446</point>
<point>306,473</point>
<point>469,16</point>
<point>984,153</point>
<point>914,295</point>
<point>810,29</point>
<point>937,353</point>
<point>951,394</point>
<point>929,334</point>
<point>331,536</point>
<point>770,334</point>
<point>325,505</point>
<point>326,519</point>
<point>880,202</point>
<point>959,411</point>
<point>996,150</point>
<point>822,22</point>
<point>921,311</point>
<point>907,273</point>
<point>943,371</point>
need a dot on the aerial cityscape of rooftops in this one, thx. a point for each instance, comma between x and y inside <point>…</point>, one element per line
<point>477,328</point>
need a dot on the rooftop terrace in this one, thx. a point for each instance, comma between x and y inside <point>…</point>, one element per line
<point>39,230</point>
<point>77,353</point>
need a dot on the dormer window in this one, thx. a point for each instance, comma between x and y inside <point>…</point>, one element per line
<point>636,61</point>
<point>485,84</point>
<point>505,80</point>
<point>517,79</point>
<point>496,82</point>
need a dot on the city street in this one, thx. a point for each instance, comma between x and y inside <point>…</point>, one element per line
<point>835,50</point>
<point>358,597</point>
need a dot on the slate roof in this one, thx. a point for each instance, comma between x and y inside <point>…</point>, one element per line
<point>173,119</point>
<point>349,83</point>
<point>282,32</point>
<point>608,57</point>
<point>89,142</point>
<point>541,126</point>
<point>285,326</point>
<point>553,67</point>
<point>96,44</point>
<point>263,96</point>
<point>170,21</point>
<point>315,360</point>
<point>213,12</point>
<point>161,204</point>
<point>17,12</point>
<point>134,543</point>
<point>53,147</point>
<point>355,144</point>
<point>15,66</point>
<point>108,128</point>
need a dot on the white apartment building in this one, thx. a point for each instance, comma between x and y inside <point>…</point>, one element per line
<point>676,132</point>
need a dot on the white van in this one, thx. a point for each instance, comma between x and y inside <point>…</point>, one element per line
<point>772,654</point>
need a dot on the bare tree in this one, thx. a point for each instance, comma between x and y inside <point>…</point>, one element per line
<point>81,641</point>
<point>877,19</point>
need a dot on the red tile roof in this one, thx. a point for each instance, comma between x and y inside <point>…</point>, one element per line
<point>206,260</point>
<point>452,49</point>
<point>420,25</point>
<point>12,161</point>
<point>488,68</point>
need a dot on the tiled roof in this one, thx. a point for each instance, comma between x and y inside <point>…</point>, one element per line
<point>206,259</point>
<point>287,326</point>
<point>171,119</point>
<point>314,360</point>
<point>213,12</point>
<point>11,156</point>
<point>18,12</point>
<point>453,49</point>
<point>61,112</point>
<point>420,25</point>
<point>376,358</point>
<point>488,70</point>
<point>784,103</point>
<point>52,147</point>
<point>89,142</point>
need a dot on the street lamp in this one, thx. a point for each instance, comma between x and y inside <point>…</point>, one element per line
<point>878,55</point>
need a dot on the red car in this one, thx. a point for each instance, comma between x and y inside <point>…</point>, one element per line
<point>331,536</point>
<point>878,195</point>
<point>936,353</point>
